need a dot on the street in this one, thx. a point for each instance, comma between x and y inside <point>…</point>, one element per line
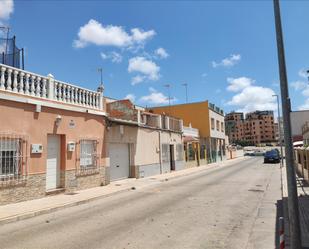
<point>225,207</point>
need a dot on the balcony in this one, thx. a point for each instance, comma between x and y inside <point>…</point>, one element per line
<point>27,84</point>
<point>189,131</point>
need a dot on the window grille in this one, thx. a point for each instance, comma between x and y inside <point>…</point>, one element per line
<point>89,157</point>
<point>13,159</point>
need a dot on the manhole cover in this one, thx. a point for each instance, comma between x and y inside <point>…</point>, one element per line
<point>256,190</point>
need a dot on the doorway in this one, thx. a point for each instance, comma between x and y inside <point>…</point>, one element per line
<point>172,157</point>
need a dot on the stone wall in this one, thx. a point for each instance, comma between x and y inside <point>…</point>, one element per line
<point>33,188</point>
<point>35,185</point>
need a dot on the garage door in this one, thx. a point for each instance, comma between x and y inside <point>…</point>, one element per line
<point>119,161</point>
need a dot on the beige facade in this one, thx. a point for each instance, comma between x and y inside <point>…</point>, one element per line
<point>154,141</point>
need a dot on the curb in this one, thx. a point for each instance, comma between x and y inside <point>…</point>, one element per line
<point>24,216</point>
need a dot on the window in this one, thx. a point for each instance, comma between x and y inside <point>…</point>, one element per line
<point>88,155</point>
<point>222,127</point>
<point>212,124</point>
<point>179,152</point>
<point>218,125</point>
<point>12,159</point>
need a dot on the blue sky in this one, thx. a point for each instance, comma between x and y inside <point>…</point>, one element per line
<point>224,50</point>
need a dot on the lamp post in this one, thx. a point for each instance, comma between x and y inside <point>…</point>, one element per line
<point>101,87</point>
<point>293,209</point>
<point>279,127</point>
<point>186,86</point>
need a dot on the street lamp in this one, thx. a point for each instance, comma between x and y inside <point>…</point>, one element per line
<point>101,87</point>
<point>186,86</point>
<point>279,127</point>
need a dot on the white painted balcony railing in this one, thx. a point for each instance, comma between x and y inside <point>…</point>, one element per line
<point>26,83</point>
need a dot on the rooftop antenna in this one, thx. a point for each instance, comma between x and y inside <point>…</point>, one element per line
<point>101,87</point>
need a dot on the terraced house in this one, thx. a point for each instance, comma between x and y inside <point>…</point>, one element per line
<point>208,119</point>
<point>52,136</point>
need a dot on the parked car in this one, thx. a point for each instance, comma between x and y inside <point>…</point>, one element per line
<point>272,156</point>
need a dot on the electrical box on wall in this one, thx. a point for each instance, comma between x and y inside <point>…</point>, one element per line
<point>36,148</point>
<point>71,146</point>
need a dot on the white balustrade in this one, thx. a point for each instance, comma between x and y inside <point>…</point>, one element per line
<point>15,81</point>
<point>27,83</point>
<point>21,82</point>
<point>9,81</point>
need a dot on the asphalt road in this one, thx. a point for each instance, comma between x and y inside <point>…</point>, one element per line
<point>228,207</point>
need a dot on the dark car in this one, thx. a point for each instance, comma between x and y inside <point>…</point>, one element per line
<point>272,156</point>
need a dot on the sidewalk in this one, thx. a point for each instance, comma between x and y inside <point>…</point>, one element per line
<point>303,201</point>
<point>27,209</point>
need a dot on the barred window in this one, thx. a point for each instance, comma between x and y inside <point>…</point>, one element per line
<point>165,153</point>
<point>179,150</point>
<point>88,153</point>
<point>12,158</point>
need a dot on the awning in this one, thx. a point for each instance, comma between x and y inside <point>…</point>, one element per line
<point>188,139</point>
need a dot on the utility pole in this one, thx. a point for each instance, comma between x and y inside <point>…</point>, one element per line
<point>279,127</point>
<point>295,236</point>
<point>186,86</point>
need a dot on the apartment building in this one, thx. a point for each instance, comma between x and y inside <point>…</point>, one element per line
<point>51,136</point>
<point>208,119</point>
<point>257,128</point>
<point>141,143</point>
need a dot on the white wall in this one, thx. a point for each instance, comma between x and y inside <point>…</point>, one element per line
<point>214,133</point>
<point>298,118</point>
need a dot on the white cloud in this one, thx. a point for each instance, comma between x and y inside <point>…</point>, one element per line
<point>250,97</point>
<point>113,56</point>
<point>161,53</point>
<point>298,85</point>
<point>140,35</point>
<point>137,79</point>
<point>155,98</point>
<point>6,8</point>
<point>96,33</point>
<point>303,73</point>
<point>144,66</point>
<point>238,84</point>
<point>130,96</point>
<point>227,62</point>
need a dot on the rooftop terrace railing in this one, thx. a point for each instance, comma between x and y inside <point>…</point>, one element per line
<point>26,83</point>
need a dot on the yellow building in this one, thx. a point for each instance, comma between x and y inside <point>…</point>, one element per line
<point>208,119</point>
